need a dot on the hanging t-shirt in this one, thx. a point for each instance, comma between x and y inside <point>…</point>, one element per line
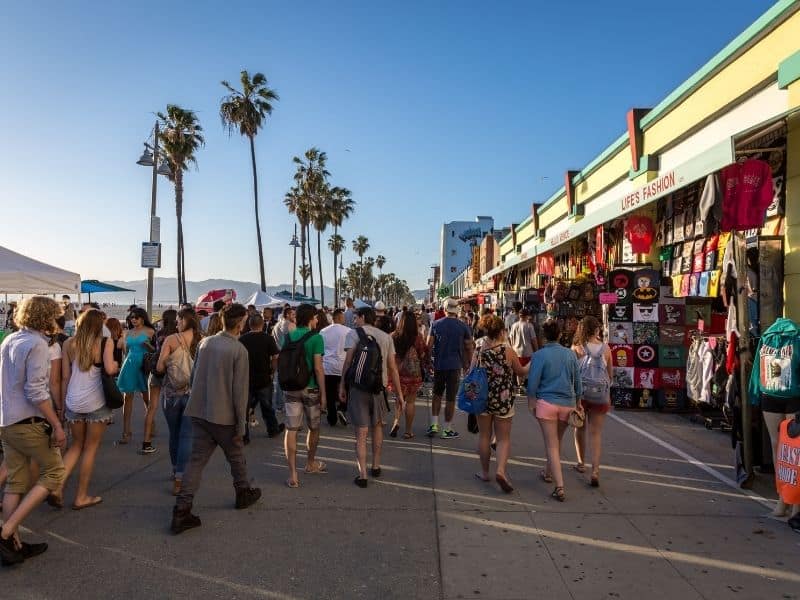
<point>623,397</point>
<point>645,355</point>
<point>645,313</point>
<point>621,282</point>
<point>746,193</point>
<point>671,356</point>
<point>672,334</point>
<point>640,231</point>
<point>621,355</point>
<point>645,378</point>
<point>620,313</point>
<point>645,333</point>
<point>670,378</point>
<point>620,333</point>
<point>646,282</point>
<point>622,377</point>
<point>671,314</point>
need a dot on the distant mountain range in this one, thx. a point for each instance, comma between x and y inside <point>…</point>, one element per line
<point>165,290</point>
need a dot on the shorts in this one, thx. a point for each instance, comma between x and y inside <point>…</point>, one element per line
<point>101,415</point>
<point>25,442</point>
<point>596,408</point>
<point>446,379</point>
<point>154,380</point>
<point>366,409</point>
<point>784,406</point>
<point>303,403</point>
<point>524,360</point>
<point>547,411</point>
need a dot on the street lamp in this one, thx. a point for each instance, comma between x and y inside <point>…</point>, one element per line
<point>294,244</point>
<point>341,269</point>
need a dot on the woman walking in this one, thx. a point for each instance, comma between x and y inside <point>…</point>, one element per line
<point>501,364</point>
<point>85,355</point>
<point>554,385</point>
<point>175,361</point>
<point>594,358</point>
<point>169,326</point>
<point>136,342</point>
<point>412,357</point>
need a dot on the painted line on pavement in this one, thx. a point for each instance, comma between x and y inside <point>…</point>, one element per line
<point>696,462</point>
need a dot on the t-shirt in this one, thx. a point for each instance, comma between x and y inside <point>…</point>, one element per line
<point>334,337</point>
<point>522,338</point>
<point>746,194</point>
<point>384,341</point>
<point>312,346</point>
<point>449,335</point>
<point>350,318</point>
<point>639,231</point>
<point>261,347</point>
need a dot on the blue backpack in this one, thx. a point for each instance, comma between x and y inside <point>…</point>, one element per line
<point>473,393</point>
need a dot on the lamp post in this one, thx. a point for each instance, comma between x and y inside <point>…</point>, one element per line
<point>294,244</point>
<point>341,269</point>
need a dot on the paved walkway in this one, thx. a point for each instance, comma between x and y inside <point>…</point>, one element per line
<point>658,527</point>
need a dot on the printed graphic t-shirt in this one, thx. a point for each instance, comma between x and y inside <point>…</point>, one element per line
<point>746,194</point>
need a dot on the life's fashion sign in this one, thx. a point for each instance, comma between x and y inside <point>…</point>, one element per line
<point>654,189</point>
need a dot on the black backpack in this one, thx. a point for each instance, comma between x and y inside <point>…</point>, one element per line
<point>293,371</point>
<point>366,369</point>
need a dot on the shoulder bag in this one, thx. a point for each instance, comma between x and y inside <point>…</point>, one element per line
<point>111,393</point>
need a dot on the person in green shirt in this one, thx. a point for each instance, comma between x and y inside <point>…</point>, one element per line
<point>307,402</point>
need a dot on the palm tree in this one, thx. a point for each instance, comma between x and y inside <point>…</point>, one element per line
<point>341,208</point>
<point>380,260</point>
<point>299,207</point>
<point>360,247</point>
<point>246,110</point>
<point>303,271</point>
<point>336,245</point>
<point>321,218</point>
<point>311,181</point>
<point>181,136</point>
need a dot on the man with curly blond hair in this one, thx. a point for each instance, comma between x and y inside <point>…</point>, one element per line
<point>29,426</point>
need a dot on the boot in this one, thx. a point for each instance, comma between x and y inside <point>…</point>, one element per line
<point>247,496</point>
<point>183,519</point>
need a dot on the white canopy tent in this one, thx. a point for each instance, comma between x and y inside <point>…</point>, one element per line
<point>22,275</point>
<point>262,299</point>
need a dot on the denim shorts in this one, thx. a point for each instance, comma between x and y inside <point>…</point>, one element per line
<point>101,415</point>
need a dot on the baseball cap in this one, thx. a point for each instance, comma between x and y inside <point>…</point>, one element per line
<point>380,305</point>
<point>450,306</point>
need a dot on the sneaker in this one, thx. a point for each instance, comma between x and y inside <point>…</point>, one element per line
<point>148,448</point>
<point>246,497</point>
<point>432,430</point>
<point>253,422</point>
<point>342,418</point>
<point>8,552</point>
<point>449,434</point>
<point>183,519</point>
<point>30,550</point>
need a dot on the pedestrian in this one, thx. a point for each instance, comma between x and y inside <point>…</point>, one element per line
<point>411,353</point>
<point>305,403</point>
<point>175,362</point>
<point>30,429</point>
<point>218,409</point>
<point>554,386</point>
<point>85,355</point>
<point>285,324</point>
<point>205,322</point>
<point>132,379</point>
<point>10,324</point>
<point>594,358</point>
<point>383,321</point>
<point>349,313</point>
<point>263,358</point>
<point>115,338</point>
<point>333,337</point>
<point>451,344</point>
<point>522,337</point>
<point>367,408</point>
<point>513,316</point>
<point>268,315</point>
<point>69,315</point>
<point>251,310</point>
<point>214,324</point>
<point>169,326</point>
<point>501,364</point>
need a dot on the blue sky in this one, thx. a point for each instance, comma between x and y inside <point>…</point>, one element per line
<point>448,110</point>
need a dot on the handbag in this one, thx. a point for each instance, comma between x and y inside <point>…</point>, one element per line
<point>111,393</point>
<point>179,367</point>
<point>577,418</point>
<point>473,392</point>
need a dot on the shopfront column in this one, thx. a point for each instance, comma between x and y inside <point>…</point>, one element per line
<point>789,79</point>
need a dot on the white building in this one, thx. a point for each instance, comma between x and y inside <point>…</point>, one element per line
<point>457,239</point>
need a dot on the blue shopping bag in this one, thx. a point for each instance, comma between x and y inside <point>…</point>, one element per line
<point>473,393</point>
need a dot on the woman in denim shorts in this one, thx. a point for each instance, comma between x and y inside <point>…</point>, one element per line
<point>85,405</point>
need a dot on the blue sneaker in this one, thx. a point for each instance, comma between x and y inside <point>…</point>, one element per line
<point>432,430</point>
<point>449,434</point>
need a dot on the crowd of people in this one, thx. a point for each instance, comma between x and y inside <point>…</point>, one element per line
<point>210,373</point>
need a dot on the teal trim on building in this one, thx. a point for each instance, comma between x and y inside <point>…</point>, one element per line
<point>789,70</point>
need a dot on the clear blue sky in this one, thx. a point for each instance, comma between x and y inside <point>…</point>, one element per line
<point>449,110</point>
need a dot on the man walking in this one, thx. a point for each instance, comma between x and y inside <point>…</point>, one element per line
<point>30,429</point>
<point>306,402</point>
<point>285,324</point>
<point>218,408</point>
<point>513,316</point>
<point>450,341</point>
<point>263,357</point>
<point>334,336</point>
<point>522,338</point>
<point>349,314</point>
<point>368,408</point>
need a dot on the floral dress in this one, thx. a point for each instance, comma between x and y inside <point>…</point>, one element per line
<point>501,380</point>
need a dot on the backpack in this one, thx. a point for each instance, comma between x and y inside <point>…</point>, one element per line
<point>366,368</point>
<point>179,370</point>
<point>594,376</point>
<point>410,367</point>
<point>293,370</point>
<point>777,362</point>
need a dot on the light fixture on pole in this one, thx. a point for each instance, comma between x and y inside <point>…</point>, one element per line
<point>294,244</point>
<point>150,159</point>
<point>164,169</point>
<point>146,159</point>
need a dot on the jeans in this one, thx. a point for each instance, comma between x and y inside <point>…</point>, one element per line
<point>278,400</point>
<point>262,398</point>
<point>332,397</point>
<point>206,437</point>
<point>180,432</point>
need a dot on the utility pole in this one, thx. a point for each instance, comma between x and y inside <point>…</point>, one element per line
<point>152,217</point>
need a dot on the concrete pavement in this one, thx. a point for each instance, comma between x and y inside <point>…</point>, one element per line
<point>658,527</point>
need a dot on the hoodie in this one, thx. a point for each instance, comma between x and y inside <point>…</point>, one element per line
<point>776,366</point>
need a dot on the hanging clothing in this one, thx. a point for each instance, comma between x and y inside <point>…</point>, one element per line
<point>639,231</point>
<point>747,192</point>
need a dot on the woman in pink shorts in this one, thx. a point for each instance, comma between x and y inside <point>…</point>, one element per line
<point>554,386</point>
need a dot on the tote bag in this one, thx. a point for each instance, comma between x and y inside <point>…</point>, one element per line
<point>473,393</point>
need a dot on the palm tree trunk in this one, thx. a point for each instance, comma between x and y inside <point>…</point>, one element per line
<point>303,255</point>
<point>310,260</point>
<point>258,224</point>
<point>335,279</point>
<point>178,218</point>
<point>319,262</point>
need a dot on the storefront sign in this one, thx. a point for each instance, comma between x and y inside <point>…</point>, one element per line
<point>560,237</point>
<point>656,188</point>
<point>608,297</point>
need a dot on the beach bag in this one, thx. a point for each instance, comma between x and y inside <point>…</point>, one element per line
<point>179,368</point>
<point>594,377</point>
<point>366,368</point>
<point>410,367</point>
<point>473,393</point>
<point>114,398</point>
<point>293,370</point>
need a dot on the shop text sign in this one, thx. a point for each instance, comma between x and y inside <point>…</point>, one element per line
<point>560,237</point>
<point>608,297</point>
<point>646,192</point>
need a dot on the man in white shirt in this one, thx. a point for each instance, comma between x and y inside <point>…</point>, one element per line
<point>334,336</point>
<point>522,338</point>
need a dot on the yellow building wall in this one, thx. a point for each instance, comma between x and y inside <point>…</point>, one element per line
<point>791,265</point>
<point>615,169</point>
<point>553,212</point>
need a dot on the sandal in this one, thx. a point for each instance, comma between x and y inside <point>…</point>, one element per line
<point>55,501</point>
<point>408,435</point>
<point>362,483</point>
<point>545,477</point>
<point>292,483</point>
<point>559,494</point>
<point>93,502</point>
<point>125,439</point>
<point>394,430</point>
<point>376,471</point>
<point>595,480</point>
<point>579,467</point>
<point>320,467</point>
<point>504,484</point>
<point>480,477</point>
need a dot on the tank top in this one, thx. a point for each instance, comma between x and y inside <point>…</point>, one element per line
<point>85,390</point>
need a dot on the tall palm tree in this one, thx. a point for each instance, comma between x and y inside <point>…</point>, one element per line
<point>246,110</point>
<point>181,136</point>
<point>336,245</point>
<point>303,270</point>
<point>299,207</point>
<point>342,205</point>
<point>380,260</point>
<point>311,180</point>
<point>360,247</point>
<point>321,218</point>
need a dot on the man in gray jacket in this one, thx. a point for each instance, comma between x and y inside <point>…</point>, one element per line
<point>218,409</point>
